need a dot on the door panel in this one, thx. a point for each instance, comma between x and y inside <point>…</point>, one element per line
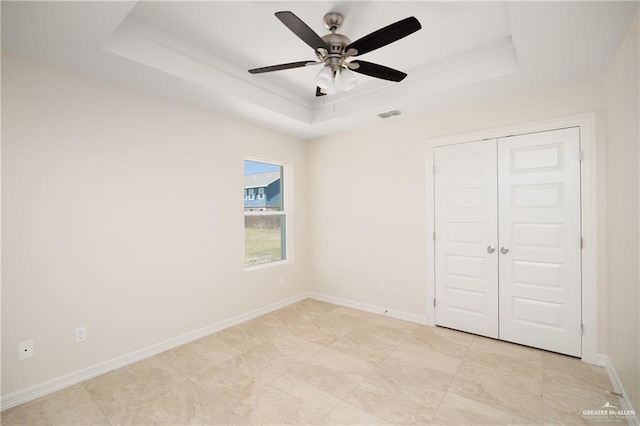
<point>465,225</point>
<point>539,223</point>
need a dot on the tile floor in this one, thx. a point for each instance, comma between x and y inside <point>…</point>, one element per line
<point>317,363</point>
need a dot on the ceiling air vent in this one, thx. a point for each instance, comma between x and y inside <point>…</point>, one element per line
<point>392,113</point>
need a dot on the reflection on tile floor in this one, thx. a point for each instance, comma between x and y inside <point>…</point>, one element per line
<point>317,363</point>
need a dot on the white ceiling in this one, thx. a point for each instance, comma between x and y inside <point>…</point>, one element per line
<point>199,52</point>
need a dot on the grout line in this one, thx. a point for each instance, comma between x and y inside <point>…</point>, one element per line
<point>375,368</point>
<point>108,418</point>
<point>359,323</point>
<point>454,376</point>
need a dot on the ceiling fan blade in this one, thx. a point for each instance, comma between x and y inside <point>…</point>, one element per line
<point>319,92</point>
<point>302,30</point>
<point>384,36</point>
<point>377,71</point>
<point>283,66</point>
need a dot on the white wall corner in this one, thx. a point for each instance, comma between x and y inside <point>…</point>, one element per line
<point>374,309</point>
<point>625,403</point>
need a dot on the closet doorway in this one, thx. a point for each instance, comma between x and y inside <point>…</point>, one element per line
<point>507,238</point>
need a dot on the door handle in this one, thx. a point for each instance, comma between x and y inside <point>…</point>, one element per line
<point>491,249</point>
<point>504,250</point>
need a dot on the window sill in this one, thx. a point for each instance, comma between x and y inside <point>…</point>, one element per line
<point>266,265</point>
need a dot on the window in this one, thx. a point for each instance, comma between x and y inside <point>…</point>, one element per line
<point>264,220</point>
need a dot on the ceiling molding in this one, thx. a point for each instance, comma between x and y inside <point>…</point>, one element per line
<point>199,52</point>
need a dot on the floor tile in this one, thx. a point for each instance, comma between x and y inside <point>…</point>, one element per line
<point>364,345</point>
<point>565,396</point>
<point>394,330</point>
<point>405,388</point>
<point>128,386</point>
<point>571,387</point>
<point>70,406</point>
<point>308,308</point>
<point>506,357</point>
<point>569,411</point>
<point>336,325</point>
<point>317,363</point>
<point>517,395</point>
<point>354,317</point>
<point>285,401</point>
<point>413,353</point>
<point>285,351</point>
<point>239,376</point>
<point>447,341</point>
<point>333,372</point>
<point>349,415</point>
<point>458,410</point>
<point>193,359</point>
<point>279,319</point>
<point>247,335</point>
<point>383,335</point>
<point>315,330</point>
<point>556,365</point>
<point>399,400</point>
<point>183,404</point>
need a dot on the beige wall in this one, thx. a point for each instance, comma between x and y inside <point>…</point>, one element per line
<point>121,212</point>
<point>368,208</point>
<point>623,141</point>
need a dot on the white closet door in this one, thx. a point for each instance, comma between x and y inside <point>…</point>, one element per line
<point>539,225</point>
<point>465,226</point>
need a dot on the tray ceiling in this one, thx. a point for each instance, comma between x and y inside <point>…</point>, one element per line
<point>199,52</point>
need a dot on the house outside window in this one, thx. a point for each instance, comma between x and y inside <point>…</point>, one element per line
<point>264,213</point>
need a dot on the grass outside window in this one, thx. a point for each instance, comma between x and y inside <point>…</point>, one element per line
<point>264,215</point>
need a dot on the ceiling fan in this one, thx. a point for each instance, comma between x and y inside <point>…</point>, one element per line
<point>334,51</point>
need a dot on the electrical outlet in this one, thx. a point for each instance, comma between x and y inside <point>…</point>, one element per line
<point>281,279</point>
<point>382,285</point>
<point>81,334</point>
<point>25,350</point>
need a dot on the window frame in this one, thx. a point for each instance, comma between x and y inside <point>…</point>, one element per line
<point>286,212</point>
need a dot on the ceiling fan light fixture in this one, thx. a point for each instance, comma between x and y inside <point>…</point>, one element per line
<point>335,49</point>
<point>324,79</point>
<point>348,79</point>
<point>337,83</point>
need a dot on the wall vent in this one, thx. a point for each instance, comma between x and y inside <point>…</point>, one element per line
<point>392,113</point>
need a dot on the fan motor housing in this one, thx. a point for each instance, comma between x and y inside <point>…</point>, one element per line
<point>335,55</point>
<point>336,42</point>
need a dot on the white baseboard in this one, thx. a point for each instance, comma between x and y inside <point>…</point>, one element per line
<point>625,403</point>
<point>50,386</point>
<point>405,316</point>
<point>602,360</point>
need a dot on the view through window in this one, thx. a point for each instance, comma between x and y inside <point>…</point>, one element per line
<point>264,214</point>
